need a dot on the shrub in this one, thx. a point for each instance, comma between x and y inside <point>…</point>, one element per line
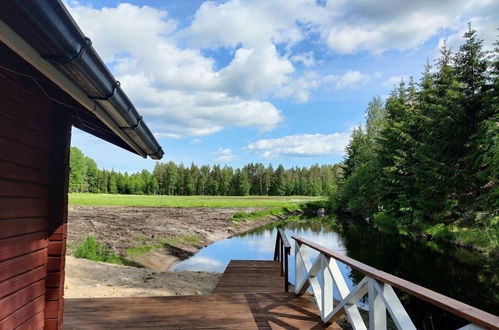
<point>93,250</point>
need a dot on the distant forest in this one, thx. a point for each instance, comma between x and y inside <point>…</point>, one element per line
<point>430,152</point>
<point>176,179</point>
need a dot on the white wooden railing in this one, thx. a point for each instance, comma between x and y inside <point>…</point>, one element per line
<point>377,285</point>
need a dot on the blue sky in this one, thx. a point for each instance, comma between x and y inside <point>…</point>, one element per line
<point>281,82</point>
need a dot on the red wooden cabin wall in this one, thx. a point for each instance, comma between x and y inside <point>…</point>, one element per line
<point>34,160</point>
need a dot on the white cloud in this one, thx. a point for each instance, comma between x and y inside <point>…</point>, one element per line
<point>196,141</point>
<point>305,145</point>
<point>486,28</point>
<point>394,81</point>
<point>346,26</point>
<point>400,33</point>
<point>200,263</point>
<point>224,155</point>
<point>301,87</point>
<point>178,89</point>
<point>378,26</point>
<point>183,93</point>
<point>349,79</point>
<point>307,58</point>
<point>253,23</point>
<point>255,71</point>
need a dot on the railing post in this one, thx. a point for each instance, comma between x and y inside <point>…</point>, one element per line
<point>327,287</point>
<point>298,267</point>
<point>282,257</point>
<point>276,253</point>
<point>286,272</point>
<point>377,309</point>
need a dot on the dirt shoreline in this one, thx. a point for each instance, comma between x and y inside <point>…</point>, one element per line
<point>177,233</point>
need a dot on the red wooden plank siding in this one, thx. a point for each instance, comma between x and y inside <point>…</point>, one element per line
<point>13,207</point>
<point>24,313</point>
<point>24,263</point>
<point>18,282</point>
<point>13,90</point>
<point>13,171</point>
<point>19,245</point>
<point>35,322</point>
<point>11,188</point>
<point>16,110</point>
<point>18,299</point>
<point>54,264</point>
<point>27,135</point>
<point>34,158</point>
<point>54,307</point>
<point>14,151</point>
<point>22,226</point>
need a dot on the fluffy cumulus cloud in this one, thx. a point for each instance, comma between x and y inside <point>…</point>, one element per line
<point>378,26</point>
<point>302,87</point>
<point>306,145</point>
<point>224,155</point>
<point>253,23</point>
<point>486,27</point>
<point>176,88</point>
<point>346,26</point>
<point>186,93</point>
<point>349,79</point>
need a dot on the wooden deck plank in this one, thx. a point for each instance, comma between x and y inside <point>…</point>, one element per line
<point>217,311</point>
<point>246,276</point>
<point>249,295</point>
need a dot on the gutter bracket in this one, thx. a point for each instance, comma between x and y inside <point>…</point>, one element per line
<point>106,98</point>
<point>134,127</point>
<point>66,60</point>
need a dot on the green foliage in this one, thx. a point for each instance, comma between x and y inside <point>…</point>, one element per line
<point>484,237</point>
<point>428,158</point>
<point>177,179</point>
<point>181,240</point>
<point>138,250</point>
<point>255,215</point>
<point>93,250</point>
<point>77,170</point>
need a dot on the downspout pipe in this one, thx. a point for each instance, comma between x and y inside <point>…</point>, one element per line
<point>47,26</point>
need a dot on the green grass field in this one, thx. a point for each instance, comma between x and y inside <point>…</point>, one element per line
<point>188,201</point>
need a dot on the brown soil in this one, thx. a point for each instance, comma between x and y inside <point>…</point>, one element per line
<point>180,232</point>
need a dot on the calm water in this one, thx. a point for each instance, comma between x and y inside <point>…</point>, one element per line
<point>454,272</point>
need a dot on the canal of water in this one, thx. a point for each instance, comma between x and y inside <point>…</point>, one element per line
<point>455,272</point>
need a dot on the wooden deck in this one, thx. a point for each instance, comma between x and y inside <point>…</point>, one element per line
<point>251,276</point>
<point>249,295</point>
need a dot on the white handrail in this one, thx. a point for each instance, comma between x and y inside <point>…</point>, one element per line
<point>380,295</point>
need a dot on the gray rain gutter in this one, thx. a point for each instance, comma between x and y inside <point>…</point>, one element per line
<point>47,28</point>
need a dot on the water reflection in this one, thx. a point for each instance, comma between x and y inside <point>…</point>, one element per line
<point>457,273</point>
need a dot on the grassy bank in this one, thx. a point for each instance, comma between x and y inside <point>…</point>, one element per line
<point>176,241</point>
<point>481,238</point>
<point>188,201</point>
<point>305,206</point>
<point>276,211</point>
<point>94,250</point>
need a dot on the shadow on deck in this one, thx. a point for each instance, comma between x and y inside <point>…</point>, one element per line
<point>249,295</point>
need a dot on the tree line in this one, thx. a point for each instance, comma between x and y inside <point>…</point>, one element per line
<point>430,152</point>
<point>177,179</point>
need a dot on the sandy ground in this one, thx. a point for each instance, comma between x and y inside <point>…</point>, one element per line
<point>125,227</point>
<point>88,279</point>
